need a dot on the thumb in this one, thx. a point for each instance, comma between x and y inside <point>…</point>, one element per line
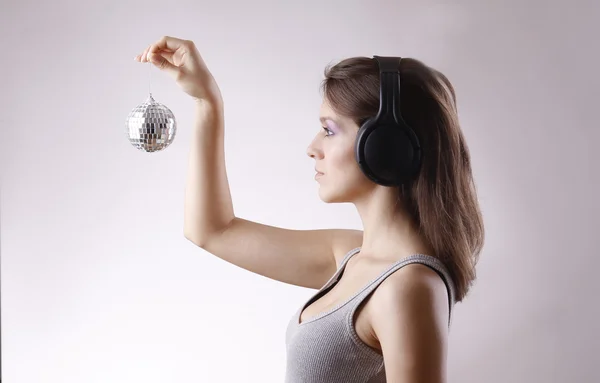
<point>162,63</point>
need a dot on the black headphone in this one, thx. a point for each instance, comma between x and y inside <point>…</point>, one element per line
<point>387,149</point>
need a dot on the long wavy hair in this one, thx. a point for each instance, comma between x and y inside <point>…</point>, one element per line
<point>442,200</point>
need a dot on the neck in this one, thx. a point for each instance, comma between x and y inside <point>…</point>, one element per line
<point>389,232</point>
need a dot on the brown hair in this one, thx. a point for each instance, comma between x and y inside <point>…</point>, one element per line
<point>442,200</point>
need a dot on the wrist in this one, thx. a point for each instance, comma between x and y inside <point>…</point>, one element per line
<point>210,106</point>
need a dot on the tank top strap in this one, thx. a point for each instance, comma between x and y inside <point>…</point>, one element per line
<point>334,277</point>
<point>427,260</point>
<point>348,256</point>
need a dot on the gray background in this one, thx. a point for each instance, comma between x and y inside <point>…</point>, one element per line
<point>98,281</point>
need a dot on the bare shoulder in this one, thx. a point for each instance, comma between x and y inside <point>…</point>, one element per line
<point>413,282</point>
<point>415,275</point>
<point>409,319</point>
<point>345,240</point>
<point>416,293</point>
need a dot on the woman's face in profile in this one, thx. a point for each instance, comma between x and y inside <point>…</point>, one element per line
<point>333,151</point>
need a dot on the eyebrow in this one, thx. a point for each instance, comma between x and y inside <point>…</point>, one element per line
<point>322,119</point>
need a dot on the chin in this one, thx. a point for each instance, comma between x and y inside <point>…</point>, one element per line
<point>332,196</point>
<point>346,192</point>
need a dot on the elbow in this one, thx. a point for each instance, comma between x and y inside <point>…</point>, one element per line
<point>200,237</point>
<point>195,239</point>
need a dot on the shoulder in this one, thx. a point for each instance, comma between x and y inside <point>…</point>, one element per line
<point>413,298</point>
<point>409,319</point>
<point>414,276</point>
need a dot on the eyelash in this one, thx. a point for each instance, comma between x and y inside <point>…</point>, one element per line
<point>327,129</point>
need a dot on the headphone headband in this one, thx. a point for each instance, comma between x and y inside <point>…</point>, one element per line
<point>389,89</point>
<point>387,149</point>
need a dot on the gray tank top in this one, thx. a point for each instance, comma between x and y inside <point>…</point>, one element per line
<point>326,347</point>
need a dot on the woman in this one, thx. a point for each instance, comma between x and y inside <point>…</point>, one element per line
<point>383,308</point>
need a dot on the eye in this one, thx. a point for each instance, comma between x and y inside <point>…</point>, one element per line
<point>326,130</point>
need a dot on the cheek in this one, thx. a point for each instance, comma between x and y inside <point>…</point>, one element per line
<point>341,158</point>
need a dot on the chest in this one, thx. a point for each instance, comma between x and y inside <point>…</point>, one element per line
<point>338,293</point>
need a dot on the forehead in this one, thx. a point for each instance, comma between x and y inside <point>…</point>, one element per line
<point>327,113</point>
<point>326,109</point>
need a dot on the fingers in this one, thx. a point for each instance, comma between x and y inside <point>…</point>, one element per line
<point>162,63</point>
<point>143,57</point>
<point>170,43</point>
<point>171,54</point>
<point>162,59</point>
<point>165,45</point>
<point>160,54</point>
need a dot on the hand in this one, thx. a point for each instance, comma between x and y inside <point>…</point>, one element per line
<point>182,61</point>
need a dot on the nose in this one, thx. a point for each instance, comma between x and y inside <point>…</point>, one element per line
<point>313,151</point>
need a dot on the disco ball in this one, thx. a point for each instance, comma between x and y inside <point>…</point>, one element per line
<point>151,126</point>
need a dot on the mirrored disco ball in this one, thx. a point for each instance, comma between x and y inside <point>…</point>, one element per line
<point>151,126</point>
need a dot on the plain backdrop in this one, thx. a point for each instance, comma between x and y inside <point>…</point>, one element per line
<point>99,283</point>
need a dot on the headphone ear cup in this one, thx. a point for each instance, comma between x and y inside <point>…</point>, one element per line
<point>359,146</point>
<point>385,153</point>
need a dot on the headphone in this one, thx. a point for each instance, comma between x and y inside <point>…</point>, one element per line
<point>387,149</point>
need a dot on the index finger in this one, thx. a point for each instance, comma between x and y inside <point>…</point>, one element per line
<point>168,43</point>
